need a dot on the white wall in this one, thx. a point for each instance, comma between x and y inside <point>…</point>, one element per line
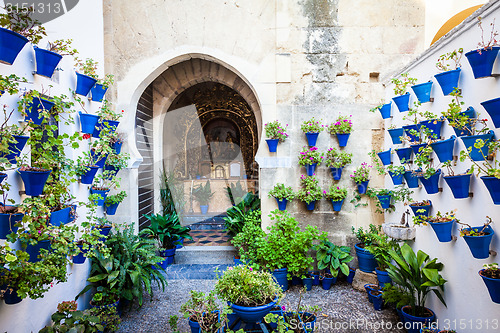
<point>84,25</point>
<point>465,293</point>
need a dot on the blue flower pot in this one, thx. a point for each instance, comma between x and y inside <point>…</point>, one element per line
<point>336,173</point>
<point>327,283</point>
<point>252,314</point>
<point>425,210</point>
<point>448,80</point>
<point>280,277</point>
<point>88,122</point>
<point>478,154</point>
<point>423,91</point>
<point>385,111</point>
<point>97,92</point>
<point>83,84</point>
<point>296,281</point>
<point>308,327</point>
<point>492,106</point>
<point>482,63</point>
<point>416,148</point>
<point>311,205</point>
<point>315,276</point>
<point>117,147</point>
<point>179,244</point>
<point>112,171</point>
<point>377,301</point>
<point>33,110</point>
<point>34,250</point>
<point>383,278</point>
<point>2,177</point>
<point>88,177</point>
<point>443,230</point>
<point>402,102</point>
<point>431,184</point>
<point>272,144</point>
<point>102,193</point>
<point>493,186</point>
<point>101,159</point>
<point>204,209</point>
<point>369,288</point>
<point>337,205</point>
<point>169,255</point>
<point>109,124</point>
<point>396,134</point>
<point>308,283</point>
<point>311,168</point>
<point>397,179</point>
<point>385,201</point>
<point>46,61</point>
<point>459,185</point>
<point>312,138</point>
<point>104,230</point>
<point>60,217</point>
<point>409,128</point>
<point>111,209</point>
<point>195,326</point>
<point>404,154</point>
<point>470,113</point>
<point>11,43</point>
<point>433,126</point>
<point>16,148</point>
<point>493,286</point>
<point>366,260</point>
<point>80,257</point>
<point>281,203</point>
<point>416,323</point>
<point>350,277</point>
<point>385,157</point>
<point>10,296</point>
<point>480,245</point>
<point>34,181</point>
<point>7,223</point>
<point>362,187</point>
<point>444,149</point>
<point>342,138</point>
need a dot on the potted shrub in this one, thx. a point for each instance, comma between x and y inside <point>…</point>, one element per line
<point>282,194</point>
<point>481,60</point>
<point>303,319</point>
<point>86,166</point>
<point>101,187</point>
<point>99,89</point>
<point>478,238</point>
<point>441,223</point>
<point>310,191</point>
<point>491,277</point>
<point>12,141</point>
<point>361,177</point>
<point>419,275</point>
<point>380,247</point>
<point>385,110</point>
<point>384,156</point>
<point>459,184</point>
<point>203,194</point>
<point>342,127</point>
<point>68,318</point>
<point>449,66</point>
<point>400,89</point>
<point>366,260</point>
<point>312,128</point>
<point>275,133</point>
<point>461,121</point>
<point>112,201</point>
<point>333,258</point>
<point>310,158</point>
<point>337,196</point>
<point>397,297</point>
<point>86,75</point>
<point>48,59</point>
<point>202,312</point>
<point>246,243</point>
<point>336,161</point>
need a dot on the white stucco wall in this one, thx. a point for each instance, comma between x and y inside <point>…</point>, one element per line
<point>465,293</point>
<point>83,24</point>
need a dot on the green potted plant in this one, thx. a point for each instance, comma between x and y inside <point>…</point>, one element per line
<point>203,194</point>
<point>334,258</point>
<point>449,66</point>
<point>282,194</point>
<point>48,59</point>
<point>397,297</point>
<point>312,128</point>
<point>246,241</point>
<point>310,191</point>
<point>342,127</point>
<point>478,238</point>
<point>380,248</point>
<point>112,201</point>
<point>427,173</point>
<point>303,319</point>
<point>236,215</point>
<point>99,89</point>
<point>108,120</point>
<point>361,177</point>
<point>366,260</point>
<point>10,215</point>
<point>275,133</point>
<point>385,197</point>
<point>101,186</point>
<point>384,108</point>
<point>441,223</point>
<point>202,312</point>
<point>310,157</point>
<point>86,75</point>
<point>336,161</point>
<point>337,195</point>
<point>401,86</point>
<point>235,192</point>
<point>68,318</point>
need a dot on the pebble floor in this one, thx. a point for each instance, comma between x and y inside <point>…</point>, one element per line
<point>343,309</point>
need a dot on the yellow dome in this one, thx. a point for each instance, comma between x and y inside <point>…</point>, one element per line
<point>453,22</point>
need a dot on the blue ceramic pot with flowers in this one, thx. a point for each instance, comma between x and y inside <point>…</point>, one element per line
<point>311,168</point>
<point>343,139</point>
<point>311,205</point>
<point>312,137</point>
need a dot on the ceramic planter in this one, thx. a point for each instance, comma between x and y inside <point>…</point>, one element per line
<point>280,277</point>
<point>433,126</point>
<point>311,205</point>
<point>33,110</point>
<point>444,149</point>
<point>350,277</point>
<point>377,300</point>
<point>34,181</point>
<point>469,113</point>
<point>478,154</point>
<point>411,179</point>
<point>448,80</point>
<point>493,186</point>
<point>459,185</point>
<point>424,210</point>
<point>88,177</point>
<point>396,134</point>
<point>408,132</point>
<point>46,61</point>
<point>88,122</point>
<point>281,203</point>
<point>443,230</point>
<point>385,157</point>
<point>481,61</point>
<point>423,91</point>
<point>117,147</point>
<point>431,184</point>
<point>97,92</point>
<point>16,148</point>
<point>402,102</point>
<point>385,201</point>
<point>366,260</point>
<point>80,257</point>
<point>8,222</point>
<point>480,245</point>
<point>308,283</point>
<point>326,282</point>
<point>102,193</point>
<point>342,138</point>
<point>311,168</point>
<point>493,286</point>
<point>492,106</point>
<point>11,43</point>
<point>337,205</point>
<point>252,314</point>
<point>385,111</point>
<point>369,288</point>
<point>102,159</point>
<point>34,250</point>
<point>111,209</point>
<point>404,154</point>
<point>272,144</point>
<point>204,209</point>
<point>336,173</point>
<point>312,138</point>
<point>416,148</point>
<point>397,179</point>
<point>60,217</point>
<point>416,323</point>
<point>10,296</point>
<point>362,187</point>
<point>111,125</point>
<point>84,83</point>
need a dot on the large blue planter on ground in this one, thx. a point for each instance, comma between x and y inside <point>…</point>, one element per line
<point>431,184</point>
<point>424,210</point>
<point>34,250</point>
<point>111,209</point>
<point>492,106</point>
<point>88,177</point>
<point>34,181</point>
<point>448,80</point>
<point>411,179</point>
<point>423,91</point>
<point>362,187</point>
<point>88,122</point>
<point>493,186</point>
<point>312,138</point>
<point>459,185</point>
<point>280,277</point>
<point>412,137</point>
<point>385,157</point>
<point>272,144</point>
<point>311,205</point>
<point>97,92</point>
<point>281,203</point>
<point>433,126</point>
<point>385,201</point>
<point>337,205</point>
<point>478,154</point>
<point>493,286</point>
<point>396,134</point>
<point>252,314</point>
<point>366,260</point>
<point>33,110</point>
<point>342,138</point>
<point>416,148</point>
<point>83,84</point>
<point>480,245</point>
<point>60,217</point>
<point>444,149</point>
<point>404,154</point>
<point>46,61</point>
<point>397,179</point>
<point>383,278</point>
<point>443,230</point>
<point>11,43</point>
<point>16,148</point>
<point>7,223</point>
<point>385,110</point>
<point>311,168</point>
<point>416,323</point>
<point>102,193</point>
<point>481,61</point>
<point>336,173</point>
<point>402,102</point>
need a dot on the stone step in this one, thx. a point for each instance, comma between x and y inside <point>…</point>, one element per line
<point>205,255</point>
<point>195,271</point>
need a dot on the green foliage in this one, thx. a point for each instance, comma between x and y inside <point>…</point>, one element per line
<point>310,190</point>
<point>396,295</point>
<point>424,162</point>
<point>367,237</point>
<point>380,247</point>
<point>115,198</point>
<point>166,230</point>
<point>362,173</point>
<point>203,194</point>
<point>310,155</point>
<point>87,67</point>
<point>246,241</point>
<point>68,319</point>
<point>236,215</point>
<point>333,257</point>
<point>19,20</point>
<point>337,159</point>
<point>171,194</point>
<point>235,192</point>
<point>335,193</point>
<point>487,167</point>
<point>201,308</point>
<point>401,84</point>
<point>63,47</point>
<point>106,112</point>
<point>274,130</point>
<point>312,126</point>
<point>280,192</point>
<point>343,125</point>
<point>399,194</point>
<point>450,60</point>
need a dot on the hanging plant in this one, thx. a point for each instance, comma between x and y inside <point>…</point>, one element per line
<point>343,125</point>
<point>275,130</point>
<point>310,190</point>
<point>312,126</point>
<point>310,156</point>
